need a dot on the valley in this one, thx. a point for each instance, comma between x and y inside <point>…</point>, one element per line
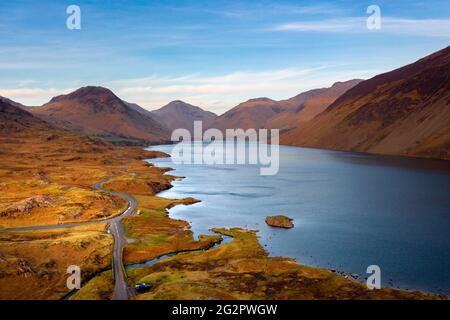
<point>77,188</point>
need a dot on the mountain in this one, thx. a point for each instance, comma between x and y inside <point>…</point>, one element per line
<point>139,109</point>
<point>283,114</point>
<point>178,114</point>
<point>402,112</point>
<point>13,119</point>
<point>16,104</point>
<point>309,104</point>
<point>98,112</point>
<point>253,113</point>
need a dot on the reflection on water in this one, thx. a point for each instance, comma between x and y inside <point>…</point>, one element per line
<point>350,210</point>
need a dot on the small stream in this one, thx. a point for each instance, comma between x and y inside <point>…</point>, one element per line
<point>226,239</point>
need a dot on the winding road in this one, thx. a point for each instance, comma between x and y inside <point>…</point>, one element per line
<point>117,230</point>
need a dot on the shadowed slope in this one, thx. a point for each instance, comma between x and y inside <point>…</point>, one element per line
<point>402,112</point>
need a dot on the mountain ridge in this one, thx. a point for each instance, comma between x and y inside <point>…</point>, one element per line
<point>402,112</point>
<point>268,113</point>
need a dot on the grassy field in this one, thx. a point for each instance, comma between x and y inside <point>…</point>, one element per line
<point>47,178</point>
<point>33,265</point>
<point>241,269</point>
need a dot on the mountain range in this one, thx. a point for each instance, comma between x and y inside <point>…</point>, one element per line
<point>402,112</point>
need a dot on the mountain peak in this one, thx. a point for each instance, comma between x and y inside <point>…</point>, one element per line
<point>261,99</point>
<point>179,114</point>
<point>178,104</point>
<point>98,111</point>
<point>87,92</point>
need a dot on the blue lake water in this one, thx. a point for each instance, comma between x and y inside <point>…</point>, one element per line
<point>350,210</point>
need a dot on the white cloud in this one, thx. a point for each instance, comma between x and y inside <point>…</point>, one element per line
<point>392,25</point>
<point>33,96</point>
<point>217,93</point>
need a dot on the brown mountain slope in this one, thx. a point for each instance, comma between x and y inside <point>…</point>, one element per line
<point>14,103</point>
<point>97,111</point>
<point>309,104</point>
<point>14,119</point>
<point>283,114</point>
<point>22,132</point>
<point>178,114</point>
<point>402,112</point>
<point>253,113</point>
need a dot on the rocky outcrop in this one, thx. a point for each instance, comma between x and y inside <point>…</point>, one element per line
<point>25,206</point>
<point>280,222</point>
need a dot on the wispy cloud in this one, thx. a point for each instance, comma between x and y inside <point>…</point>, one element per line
<point>303,9</point>
<point>217,92</point>
<point>392,25</point>
<point>263,10</point>
<point>30,96</point>
<point>220,92</point>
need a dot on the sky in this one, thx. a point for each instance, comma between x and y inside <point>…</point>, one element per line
<point>214,54</point>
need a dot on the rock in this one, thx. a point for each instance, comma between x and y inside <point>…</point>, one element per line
<point>355,275</point>
<point>279,221</point>
<point>24,268</point>
<point>25,206</point>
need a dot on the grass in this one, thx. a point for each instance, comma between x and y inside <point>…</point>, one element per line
<point>63,167</point>
<point>98,288</point>
<point>241,269</point>
<point>33,264</point>
<point>155,234</point>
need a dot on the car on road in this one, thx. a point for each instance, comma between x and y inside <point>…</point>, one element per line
<point>142,287</point>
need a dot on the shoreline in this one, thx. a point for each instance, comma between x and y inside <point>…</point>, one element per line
<point>346,275</point>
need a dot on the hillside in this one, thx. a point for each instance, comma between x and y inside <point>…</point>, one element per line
<point>253,113</point>
<point>98,112</point>
<point>307,105</point>
<point>402,112</point>
<point>14,103</point>
<point>14,119</point>
<point>178,114</point>
<point>283,114</point>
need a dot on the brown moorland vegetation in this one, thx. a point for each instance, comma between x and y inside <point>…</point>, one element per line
<point>402,112</point>
<point>97,111</point>
<point>242,269</point>
<point>33,263</point>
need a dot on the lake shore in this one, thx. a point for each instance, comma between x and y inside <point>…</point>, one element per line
<point>238,269</point>
<point>220,272</point>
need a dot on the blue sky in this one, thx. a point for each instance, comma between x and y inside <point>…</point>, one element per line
<point>213,53</point>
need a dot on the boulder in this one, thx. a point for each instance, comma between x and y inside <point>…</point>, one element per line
<point>280,222</point>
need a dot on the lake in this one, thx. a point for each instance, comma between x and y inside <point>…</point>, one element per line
<point>350,210</point>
